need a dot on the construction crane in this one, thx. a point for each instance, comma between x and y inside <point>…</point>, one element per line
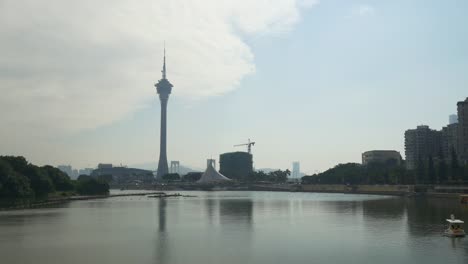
<point>248,144</point>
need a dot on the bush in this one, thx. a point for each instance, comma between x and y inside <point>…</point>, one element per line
<point>192,176</point>
<point>90,186</point>
<point>171,177</point>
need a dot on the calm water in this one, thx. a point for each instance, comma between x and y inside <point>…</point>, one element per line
<point>235,227</point>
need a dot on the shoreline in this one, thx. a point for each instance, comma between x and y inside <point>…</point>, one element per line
<point>57,201</point>
<point>390,190</point>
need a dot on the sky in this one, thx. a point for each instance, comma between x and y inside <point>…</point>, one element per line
<point>317,82</point>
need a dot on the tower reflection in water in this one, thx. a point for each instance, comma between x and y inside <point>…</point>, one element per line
<point>162,236</point>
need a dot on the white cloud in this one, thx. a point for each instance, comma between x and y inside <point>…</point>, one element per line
<point>363,10</point>
<point>71,65</point>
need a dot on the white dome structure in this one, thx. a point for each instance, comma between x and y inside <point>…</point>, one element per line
<point>211,175</point>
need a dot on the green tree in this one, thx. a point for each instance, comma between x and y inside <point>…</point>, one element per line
<point>18,164</point>
<point>420,172</point>
<point>105,178</point>
<point>257,176</point>
<point>40,181</point>
<point>442,169</point>
<point>465,173</point>
<point>192,176</point>
<point>13,184</point>
<point>60,180</point>
<point>84,177</point>
<point>279,175</point>
<point>431,170</point>
<point>454,166</point>
<point>309,179</point>
<point>398,175</point>
<point>170,177</point>
<point>409,177</point>
<point>91,186</point>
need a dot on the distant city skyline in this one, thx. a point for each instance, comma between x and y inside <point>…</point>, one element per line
<point>316,81</point>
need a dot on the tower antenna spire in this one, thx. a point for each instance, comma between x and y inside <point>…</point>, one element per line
<point>164,64</point>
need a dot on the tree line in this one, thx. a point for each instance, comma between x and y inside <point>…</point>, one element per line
<point>428,171</point>
<point>278,176</point>
<point>19,178</point>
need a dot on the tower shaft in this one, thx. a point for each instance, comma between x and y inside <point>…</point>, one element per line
<point>162,164</point>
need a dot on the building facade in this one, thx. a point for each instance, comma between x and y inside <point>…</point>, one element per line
<point>449,141</point>
<point>67,169</point>
<point>296,170</point>
<point>381,156</point>
<point>104,166</point>
<point>236,165</point>
<point>124,175</point>
<point>85,171</point>
<point>420,143</point>
<point>462,108</point>
<point>453,119</point>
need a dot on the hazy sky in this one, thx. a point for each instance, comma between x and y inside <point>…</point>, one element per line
<point>314,81</point>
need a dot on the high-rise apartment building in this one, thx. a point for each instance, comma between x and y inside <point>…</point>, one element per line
<point>236,165</point>
<point>67,169</point>
<point>463,130</point>
<point>453,119</point>
<point>420,143</point>
<point>449,140</point>
<point>296,170</point>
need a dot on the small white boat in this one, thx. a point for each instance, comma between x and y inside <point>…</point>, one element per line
<point>455,227</point>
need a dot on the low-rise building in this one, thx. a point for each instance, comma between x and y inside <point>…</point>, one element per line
<point>105,166</point>
<point>381,156</point>
<point>85,171</point>
<point>123,175</point>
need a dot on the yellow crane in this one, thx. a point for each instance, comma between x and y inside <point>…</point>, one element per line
<point>249,145</point>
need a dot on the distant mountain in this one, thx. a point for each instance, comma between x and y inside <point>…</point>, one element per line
<point>144,166</point>
<point>152,166</point>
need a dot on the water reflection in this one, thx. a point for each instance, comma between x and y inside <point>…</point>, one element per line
<point>162,236</point>
<point>237,227</point>
<point>384,209</point>
<point>210,205</point>
<point>427,215</point>
<point>236,211</point>
<point>345,207</point>
<point>162,214</point>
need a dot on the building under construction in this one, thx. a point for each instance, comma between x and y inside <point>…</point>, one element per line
<point>236,165</point>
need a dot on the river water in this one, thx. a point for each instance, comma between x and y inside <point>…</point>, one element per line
<point>235,227</point>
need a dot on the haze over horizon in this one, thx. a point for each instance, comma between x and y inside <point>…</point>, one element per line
<point>313,81</point>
